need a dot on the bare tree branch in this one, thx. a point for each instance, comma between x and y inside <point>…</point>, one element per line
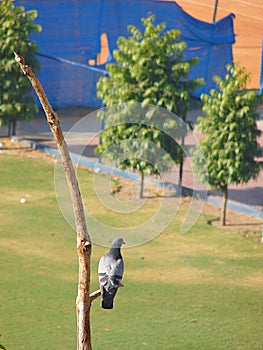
<point>97,293</point>
<point>83,301</point>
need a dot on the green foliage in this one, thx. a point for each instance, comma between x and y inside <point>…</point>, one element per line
<point>137,145</point>
<point>230,131</point>
<point>16,25</point>
<point>150,69</point>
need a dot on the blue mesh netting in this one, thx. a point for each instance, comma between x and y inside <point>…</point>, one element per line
<point>261,73</point>
<point>71,32</point>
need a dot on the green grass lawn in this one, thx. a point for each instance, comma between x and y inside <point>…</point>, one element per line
<point>197,291</point>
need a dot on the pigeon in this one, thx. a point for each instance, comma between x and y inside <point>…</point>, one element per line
<point>110,272</point>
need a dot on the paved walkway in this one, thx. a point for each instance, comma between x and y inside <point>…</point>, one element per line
<point>246,198</point>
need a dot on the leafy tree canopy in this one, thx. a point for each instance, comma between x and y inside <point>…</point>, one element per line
<point>230,132</point>
<point>16,25</point>
<point>151,69</point>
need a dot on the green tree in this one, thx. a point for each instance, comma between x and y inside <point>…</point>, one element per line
<point>151,69</point>
<point>135,144</point>
<point>16,25</point>
<point>230,134</point>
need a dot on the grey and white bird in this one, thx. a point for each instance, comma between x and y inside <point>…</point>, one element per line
<point>110,270</point>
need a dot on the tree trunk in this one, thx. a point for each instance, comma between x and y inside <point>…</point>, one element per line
<point>181,166</point>
<point>14,127</point>
<point>11,127</point>
<point>224,204</point>
<point>141,184</point>
<point>83,301</point>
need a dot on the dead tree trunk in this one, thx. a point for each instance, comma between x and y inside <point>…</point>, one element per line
<point>83,302</point>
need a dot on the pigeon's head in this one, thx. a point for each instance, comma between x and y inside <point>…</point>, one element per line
<point>117,243</point>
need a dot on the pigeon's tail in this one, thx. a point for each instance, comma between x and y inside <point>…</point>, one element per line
<point>108,298</point>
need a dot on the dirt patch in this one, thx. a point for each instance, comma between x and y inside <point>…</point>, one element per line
<point>7,146</point>
<point>247,225</point>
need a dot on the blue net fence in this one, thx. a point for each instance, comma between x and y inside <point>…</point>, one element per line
<point>261,72</point>
<point>71,40</point>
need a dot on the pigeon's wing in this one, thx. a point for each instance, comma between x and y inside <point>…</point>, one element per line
<point>119,267</point>
<point>103,271</point>
<point>110,272</point>
<point>116,273</point>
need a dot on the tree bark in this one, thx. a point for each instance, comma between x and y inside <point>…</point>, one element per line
<point>224,204</point>
<point>11,127</point>
<point>142,184</point>
<point>9,133</point>
<point>83,302</point>
<point>181,166</point>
